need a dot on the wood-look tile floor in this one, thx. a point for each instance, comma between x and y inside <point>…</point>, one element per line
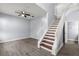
<point>69,50</point>
<point>28,47</point>
<point>25,47</point>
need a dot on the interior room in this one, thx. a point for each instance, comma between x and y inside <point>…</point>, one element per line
<point>39,29</point>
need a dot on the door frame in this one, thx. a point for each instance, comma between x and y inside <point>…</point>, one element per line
<point>66,32</point>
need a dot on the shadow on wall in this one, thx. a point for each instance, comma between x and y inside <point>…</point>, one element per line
<point>76,39</point>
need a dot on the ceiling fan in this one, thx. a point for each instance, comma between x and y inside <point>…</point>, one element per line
<point>24,14</point>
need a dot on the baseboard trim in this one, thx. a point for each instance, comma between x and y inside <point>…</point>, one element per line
<point>72,41</point>
<point>21,38</point>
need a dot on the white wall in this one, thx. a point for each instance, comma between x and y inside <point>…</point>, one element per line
<point>61,8</point>
<point>73,31</point>
<point>50,9</point>
<point>72,19</point>
<point>12,27</point>
<point>38,27</point>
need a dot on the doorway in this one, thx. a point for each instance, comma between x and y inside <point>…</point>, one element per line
<point>71,32</point>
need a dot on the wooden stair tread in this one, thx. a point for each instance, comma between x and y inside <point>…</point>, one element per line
<point>51,29</point>
<point>50,33</point>
<point>54,26</point>
<point>50,38</point>
<point>55,23</point>
<point>47,41</point>
<point>46,46</point>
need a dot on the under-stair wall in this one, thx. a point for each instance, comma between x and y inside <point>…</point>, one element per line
<point>59,38</point>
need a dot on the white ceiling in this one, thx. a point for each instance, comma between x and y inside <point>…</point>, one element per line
<point>32,8</point>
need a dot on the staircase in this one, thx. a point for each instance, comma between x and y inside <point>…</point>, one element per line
<point>52,40</point>
<point>49,38</point>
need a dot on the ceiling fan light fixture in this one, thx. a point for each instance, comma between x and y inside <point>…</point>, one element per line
<point>24,14</point>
